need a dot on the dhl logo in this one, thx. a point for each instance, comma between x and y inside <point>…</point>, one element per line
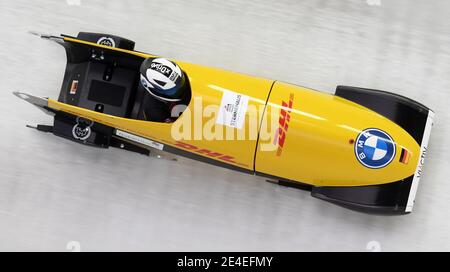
<point>283,123</point>
<point>209,153</point>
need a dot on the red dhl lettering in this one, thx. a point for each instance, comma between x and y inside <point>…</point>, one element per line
<point>209,153</point>
<point>283,122</point>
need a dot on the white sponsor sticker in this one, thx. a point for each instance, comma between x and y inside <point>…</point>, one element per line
<point>139,139</point>
<point>232,109</point>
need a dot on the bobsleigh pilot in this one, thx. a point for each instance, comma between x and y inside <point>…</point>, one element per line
<point>165,83</point>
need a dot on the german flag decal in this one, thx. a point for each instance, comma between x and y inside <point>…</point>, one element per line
<point>404,156</point>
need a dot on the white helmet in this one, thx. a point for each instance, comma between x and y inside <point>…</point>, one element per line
<point>163,79</point>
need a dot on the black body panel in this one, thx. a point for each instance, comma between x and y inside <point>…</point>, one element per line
<point>100,135</point>
<point>113,94</point>
<point>64,123</point>
<point>390,198</point>
<point>405,112</point>
<point>100,79</point>
<point>119,42</point>
<point>85,85</point>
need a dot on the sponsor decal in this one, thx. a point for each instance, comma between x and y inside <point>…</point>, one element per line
<point>283,123</point>
<point>233,109</point>
<point>208,153</point>
<point>74,87</point>
<point>139,139</point>
<point>108,41</point>
<point>374,148</point>
<point>229,107</point>
<point>163,69</point>
<point>419,169</point>
<point>82,129</point>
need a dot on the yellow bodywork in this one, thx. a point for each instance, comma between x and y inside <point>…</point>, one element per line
<point>318,147</point>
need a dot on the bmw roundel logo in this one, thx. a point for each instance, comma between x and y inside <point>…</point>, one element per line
<point>374,148</point>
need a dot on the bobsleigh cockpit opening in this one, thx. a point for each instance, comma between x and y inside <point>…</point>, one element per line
<point>110,81</point>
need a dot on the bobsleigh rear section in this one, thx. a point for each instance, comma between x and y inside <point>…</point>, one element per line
<point>360,148</point>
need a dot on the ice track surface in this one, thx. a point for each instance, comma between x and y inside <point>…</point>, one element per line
<point>58,195</point>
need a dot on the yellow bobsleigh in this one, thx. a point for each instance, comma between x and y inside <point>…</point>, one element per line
<point>359,148</point>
